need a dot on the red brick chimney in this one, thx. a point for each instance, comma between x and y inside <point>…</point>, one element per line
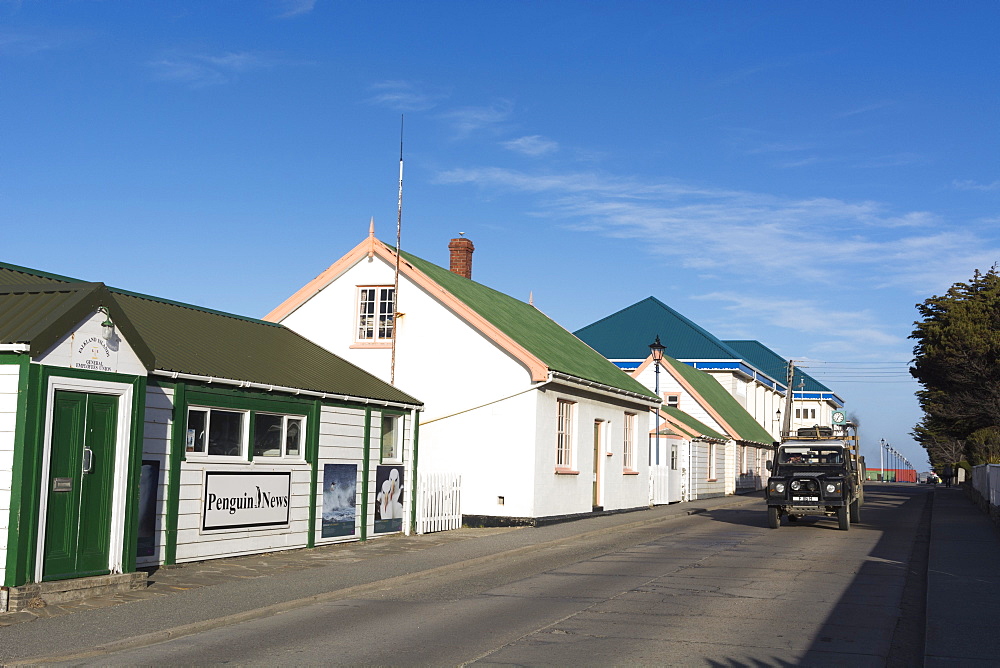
<point>461,256</point>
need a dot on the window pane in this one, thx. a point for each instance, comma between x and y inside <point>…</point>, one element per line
<point>293,436</point>
<point>196,431</point>
<point>386,313</point>
<point>225,433</point>
<point>366,314</point>
<point>389,436</point>
<point>267,435</point>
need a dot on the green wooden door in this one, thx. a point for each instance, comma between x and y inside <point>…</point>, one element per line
<point>78,519</point>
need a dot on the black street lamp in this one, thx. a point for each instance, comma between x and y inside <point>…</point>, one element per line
<point>656,351</point>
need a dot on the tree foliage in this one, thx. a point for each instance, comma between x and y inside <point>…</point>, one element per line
<point>957,361</point>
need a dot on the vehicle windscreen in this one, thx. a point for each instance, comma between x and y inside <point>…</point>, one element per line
<point>810,455</point>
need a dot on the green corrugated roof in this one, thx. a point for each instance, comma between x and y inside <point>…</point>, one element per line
<point>626,335</point>
<point>203,342</point>
<point>731,411</point>
<point>771,363</point>
<point>556,347</point>
<point>696,426</point>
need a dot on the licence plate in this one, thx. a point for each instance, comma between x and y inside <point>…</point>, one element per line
<point>806,498</point>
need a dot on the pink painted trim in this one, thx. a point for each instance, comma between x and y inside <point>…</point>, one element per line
<point>690,390</point>
<point>370,247</point>
<point>560,471</point>
<point>371,346</point>
<point>629,472</point>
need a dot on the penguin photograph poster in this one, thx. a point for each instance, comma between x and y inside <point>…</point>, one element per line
<point>388,499</point>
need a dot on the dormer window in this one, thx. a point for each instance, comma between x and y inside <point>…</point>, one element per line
<point>376,314</point>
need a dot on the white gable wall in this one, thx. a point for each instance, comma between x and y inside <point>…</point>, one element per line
<point>84,348</point>
<point>439,359</point>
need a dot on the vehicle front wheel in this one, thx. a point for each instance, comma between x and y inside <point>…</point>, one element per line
<point>855,511</point>
<point>773,517</point>
<point>842,518</point>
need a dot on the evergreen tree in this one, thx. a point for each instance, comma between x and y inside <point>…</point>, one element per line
<point>957,360</point>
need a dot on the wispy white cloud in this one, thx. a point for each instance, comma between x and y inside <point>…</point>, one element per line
<point>199,70</point>
<point>22,43</point>
<point>821,241</point>
<point>468,120</point>
<point>864,109</point>
<point>404,96</point>
<point>533,145</point>
<point>974,185</point>
<point>293,8</point>
<point>893,160</point>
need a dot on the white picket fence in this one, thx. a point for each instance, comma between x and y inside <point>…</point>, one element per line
<point>659,485</point>
<point>439,502</point>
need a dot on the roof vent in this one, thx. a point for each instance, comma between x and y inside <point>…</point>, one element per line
<point>461,256</point>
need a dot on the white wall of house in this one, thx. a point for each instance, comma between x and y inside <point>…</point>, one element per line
<point>9,378</point>
<point>570,493</point>
<point>439,359</point>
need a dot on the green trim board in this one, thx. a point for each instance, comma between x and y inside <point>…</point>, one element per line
<point>176,457</point>
<point>366,471</point>
<point>413,483</point>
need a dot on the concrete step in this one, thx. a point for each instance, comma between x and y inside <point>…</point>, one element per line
<point>42,594</point>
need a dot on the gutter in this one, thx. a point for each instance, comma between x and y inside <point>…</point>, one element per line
<point>15,348</point>
<point>177,375</point>
<point>601,388</point>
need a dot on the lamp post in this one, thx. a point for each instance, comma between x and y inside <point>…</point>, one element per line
<point>656,351</point>
<point>777,420</point>
<point>881,461</point>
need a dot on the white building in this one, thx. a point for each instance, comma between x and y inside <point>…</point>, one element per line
<point>539,425</point>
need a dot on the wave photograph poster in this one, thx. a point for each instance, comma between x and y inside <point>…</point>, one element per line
<point>340,487</point>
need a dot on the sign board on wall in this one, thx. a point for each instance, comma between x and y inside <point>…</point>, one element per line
<point>389,483</point>
<point>243,500</point>
<point>340,492</point>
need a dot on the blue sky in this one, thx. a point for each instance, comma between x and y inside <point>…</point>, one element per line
<point>799,173</point>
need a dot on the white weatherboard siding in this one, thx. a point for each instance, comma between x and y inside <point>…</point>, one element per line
<point>9,377</point>
<point>341,441</point>
<point>193,544</point>
<point>157,431</point>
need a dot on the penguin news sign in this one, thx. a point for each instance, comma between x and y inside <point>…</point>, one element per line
<point>237,500</point>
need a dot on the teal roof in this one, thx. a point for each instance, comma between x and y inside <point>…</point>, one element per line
<point>170,336</point>
<point>775,366</point>
<point>555,346</point>
<point>626,335</point>
<point>710,390</point>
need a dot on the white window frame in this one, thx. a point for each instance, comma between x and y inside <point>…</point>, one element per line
<point>628,442</point>
<point>286,418</point>
<point>396,457</point>
<point>564,433</point>
<point>711,462</point>
<point>673,457</point>
<point>191,439</point>
<point>672,399</point>
<point>376,301</point>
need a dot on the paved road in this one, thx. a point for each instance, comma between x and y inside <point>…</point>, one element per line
<point>716,589</point>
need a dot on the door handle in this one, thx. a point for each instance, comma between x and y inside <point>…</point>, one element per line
<point>88,460</point>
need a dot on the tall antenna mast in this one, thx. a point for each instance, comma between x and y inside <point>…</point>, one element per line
<point>395,287</point>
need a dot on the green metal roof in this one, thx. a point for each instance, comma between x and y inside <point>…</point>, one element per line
<point>626,335</point>
<point>555,346</point>
<point>775,366</point>
<point>187,339</point>
<point>697,427</point>
<point>718,398</point>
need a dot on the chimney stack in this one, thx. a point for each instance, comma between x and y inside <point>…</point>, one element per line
<point>461,256</point>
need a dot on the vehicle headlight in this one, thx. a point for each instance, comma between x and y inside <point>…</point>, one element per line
<point>796,485</point>
<point>779,487</point>
<point>831,488</point>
